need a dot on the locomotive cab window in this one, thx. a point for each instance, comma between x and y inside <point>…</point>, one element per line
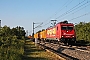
<point>64,27</point>
<point>70,27</point>
<point>67,27</point>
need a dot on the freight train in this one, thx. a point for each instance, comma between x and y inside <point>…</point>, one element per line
<point>61,32</point>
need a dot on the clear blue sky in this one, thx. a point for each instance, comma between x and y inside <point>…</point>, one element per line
<point>24,12</point>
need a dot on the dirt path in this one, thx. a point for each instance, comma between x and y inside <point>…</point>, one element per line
<point>32,52</point>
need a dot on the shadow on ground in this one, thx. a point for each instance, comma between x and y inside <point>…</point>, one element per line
<point>30,52</point>
<point>33,58</point>
<point>82,43</point>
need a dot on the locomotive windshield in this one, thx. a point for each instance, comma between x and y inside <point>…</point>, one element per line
<point>67,27</point>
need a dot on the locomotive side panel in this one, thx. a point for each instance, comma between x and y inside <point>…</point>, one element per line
<point>58,31</point>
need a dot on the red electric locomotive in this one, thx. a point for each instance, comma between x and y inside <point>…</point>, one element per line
<point>63,32</point>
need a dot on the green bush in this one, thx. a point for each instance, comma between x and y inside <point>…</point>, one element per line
<point>11,47</point>
<point>83,31</point>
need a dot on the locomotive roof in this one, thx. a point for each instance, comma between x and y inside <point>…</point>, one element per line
<point>64,23</point>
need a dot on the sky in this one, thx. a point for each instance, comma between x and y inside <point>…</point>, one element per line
<point>24,12</point>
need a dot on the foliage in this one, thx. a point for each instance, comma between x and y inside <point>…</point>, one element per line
<point>83,31</point>
<point>11,43</point>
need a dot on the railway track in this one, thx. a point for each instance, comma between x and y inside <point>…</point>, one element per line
<point>78,47</point>
<point>83,49</point>
<point>59,54</point>
<point>69,52</point>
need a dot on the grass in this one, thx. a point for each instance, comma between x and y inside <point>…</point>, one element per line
<point>33,52</point>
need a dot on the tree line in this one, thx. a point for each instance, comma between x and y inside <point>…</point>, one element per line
<point>83,31</point>
<point>11,42</point>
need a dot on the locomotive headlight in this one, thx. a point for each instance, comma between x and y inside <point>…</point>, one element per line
<point>62,36</point>
<point>72,36</point>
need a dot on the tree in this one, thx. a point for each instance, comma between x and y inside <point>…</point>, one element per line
<point>82,31</point>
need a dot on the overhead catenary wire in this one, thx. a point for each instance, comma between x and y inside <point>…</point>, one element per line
<point>50,17</point>
<point>77,10</point>
<point>80,16</point>
<point>70,10</point>
<point>38,25</point>
<point>74,18</point>
<point>64,5</point>
<point>60,9</point>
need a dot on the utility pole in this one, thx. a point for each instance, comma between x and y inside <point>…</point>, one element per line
<point>54,22</point>
<point>33,30</point>
<point>36,27</point>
